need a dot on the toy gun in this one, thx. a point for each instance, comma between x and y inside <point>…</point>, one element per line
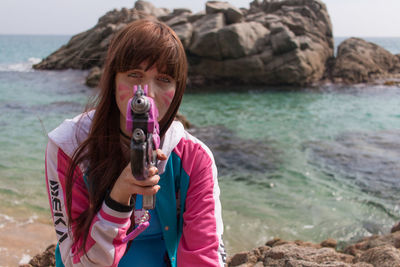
<point>141,120</point>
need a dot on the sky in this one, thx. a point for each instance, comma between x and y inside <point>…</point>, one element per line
<point>357,18</point>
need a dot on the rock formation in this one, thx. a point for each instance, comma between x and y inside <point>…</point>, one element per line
<point>45,259</point>
<point>374,251</point>
<point>88,49</point>
<point>272,42</point>
<point>286,42</point>
<point>359,61</point>
<point>382,251</point>
<point>275,42</point>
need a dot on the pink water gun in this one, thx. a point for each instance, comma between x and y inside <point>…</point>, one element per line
<point>142,121</point>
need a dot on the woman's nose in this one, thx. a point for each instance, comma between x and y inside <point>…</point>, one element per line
<point>150,89</point>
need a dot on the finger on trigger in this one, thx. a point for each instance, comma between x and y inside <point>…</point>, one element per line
<point>153,180</point>
<point>153,171</point>
<point>151,190</point>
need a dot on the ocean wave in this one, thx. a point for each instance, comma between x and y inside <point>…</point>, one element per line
<point>30,220</point>
<point>5,219</point>
<point>20,66</point>
<point>24,259</point>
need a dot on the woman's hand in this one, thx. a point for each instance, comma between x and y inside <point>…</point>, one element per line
<point>126,185</point>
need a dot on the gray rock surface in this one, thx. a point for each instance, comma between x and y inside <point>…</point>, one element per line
<point>375,251</point>
<point>184,32</point>
<point>205,36</point>
<point>231,13</point>
<point>93,77</point>
<point>293,48</point>
<point>359,61</point>
<point>272,42</point>
<point>149,8</point>
<point>88,49</point>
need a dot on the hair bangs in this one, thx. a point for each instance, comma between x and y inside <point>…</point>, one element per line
<point>153,44</point>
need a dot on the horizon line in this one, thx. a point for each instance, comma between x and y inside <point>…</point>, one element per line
<point>66,34</point>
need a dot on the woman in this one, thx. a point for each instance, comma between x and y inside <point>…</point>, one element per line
<point>94,198</point>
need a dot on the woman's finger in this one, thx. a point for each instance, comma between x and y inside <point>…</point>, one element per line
<point>161,155</point>
<point>145,190</point>
<point>153,171</point>
<point>153,180</point>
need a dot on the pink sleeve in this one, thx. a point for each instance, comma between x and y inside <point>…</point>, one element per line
<point>104,244</point>
<point>201,242</point>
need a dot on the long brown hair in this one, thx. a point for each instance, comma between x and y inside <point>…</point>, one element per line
<point>139,41</point>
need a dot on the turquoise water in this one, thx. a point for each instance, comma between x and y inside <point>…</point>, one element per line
<point>31,104</point>
<point>297,199</point>
<point>15,49</point>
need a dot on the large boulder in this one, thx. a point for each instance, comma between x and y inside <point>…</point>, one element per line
<point>231,13</point>
<point>47,258</point>
<point>149,8</point>
<point>299,253</point>
<point>184,32</point>
<point>88,49</point>
<point>368,252</point>
<point>359,61</point>
<point>205,36</point>
<point>242,39</point>
<point>213,40</point>
<point>375,241</point>
<point>386,256</point>
<point>298,33</point>
<point>273,42</point>
<point>283,41</point>
<point>286,42</point>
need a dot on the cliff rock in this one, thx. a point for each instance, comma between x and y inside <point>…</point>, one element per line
<point>272,42</point>
<point>382,251</point>
<point>359,61</point>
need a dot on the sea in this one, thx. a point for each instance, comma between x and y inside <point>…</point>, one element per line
<point>294,163</point>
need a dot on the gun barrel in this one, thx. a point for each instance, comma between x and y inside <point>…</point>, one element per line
<point>141,119</point>
<point>140,105</point>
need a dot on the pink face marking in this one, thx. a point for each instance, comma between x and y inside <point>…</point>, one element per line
<point>124,92</point>
<point>168,96</point>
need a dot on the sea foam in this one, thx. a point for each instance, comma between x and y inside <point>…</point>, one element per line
<point>25,259</point>
<point>21,66</point>
<point>5,219</point>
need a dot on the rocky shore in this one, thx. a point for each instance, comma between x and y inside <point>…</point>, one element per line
<point>287,42</point>
<point>373,251</point>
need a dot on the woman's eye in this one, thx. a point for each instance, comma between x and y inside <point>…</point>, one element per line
<point>134,75</point>
<point>164,79</point>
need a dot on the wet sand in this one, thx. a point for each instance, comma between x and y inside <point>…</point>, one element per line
<point>20,242</point>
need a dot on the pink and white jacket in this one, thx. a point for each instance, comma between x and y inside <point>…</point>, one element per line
<point>193,237</point>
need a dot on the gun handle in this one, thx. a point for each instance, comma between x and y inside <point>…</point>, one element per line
<point>149,202</point>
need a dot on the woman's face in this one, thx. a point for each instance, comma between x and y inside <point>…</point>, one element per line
<point>161,87</point>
